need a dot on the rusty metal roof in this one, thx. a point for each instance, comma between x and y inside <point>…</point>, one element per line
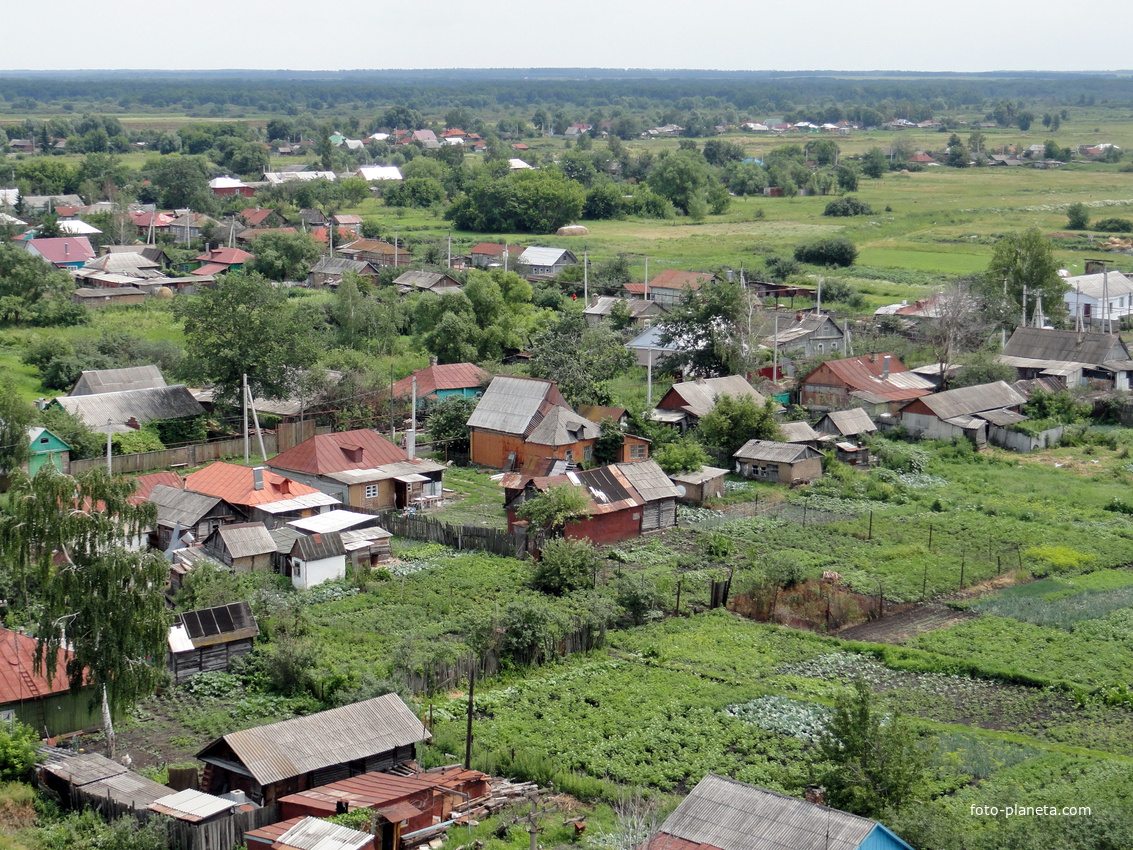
<point>295,747</point>
<point>732,815</point>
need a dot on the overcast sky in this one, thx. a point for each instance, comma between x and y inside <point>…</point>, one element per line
<point>963,35</point>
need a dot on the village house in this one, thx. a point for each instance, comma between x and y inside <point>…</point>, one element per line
<point>1069,358</point>
<point>46,448</point>
<point>441,381</point>
<point>850,424</point>
<point>258,493</point>
<point>969,412</point>
<point>809,335</point>
<point>63,252</point>
<point>309,833</point>
<point>243,547</point>
<point>725,814</point>
<point>487,255</point>
<point>518,418</point>
<point>119,296</point>
<point>181,512</point>
<point>363,469</point>
<point>378,173</point>
<point>269,762</point>
<point>1098,298</point>
<point>799,433</point>
<point>315,559</point>
<point>687,401</point>
<point>640,313</point>
<point>880,383</point>
<point>648,349</point>
<point>377,252</point>
<point>128,410</point>
<point>328,271</point>
<point>26,695</point>
<point>208,639</point>
<point>700,485</point>
<point>778,463</point>
<point>221,261</point>
<point>544,262</point>
<point>226,187</point>
<point>95,381</point>
<point>668,287</point>
<point>437,283</point>
<point>625,500</point>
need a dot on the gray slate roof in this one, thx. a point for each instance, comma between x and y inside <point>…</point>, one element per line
<point>1094,285</point>
<point>509,404</point>
<point>847,423</point>
<point>316,547</point>
<point>797,432</point>
<point>295,747</point>
<point>246,539</point>
<point>428,281</point>
<point>185,507</point>
<point>121,261</point>
<point>700,396</point>
<point>539,256</point>
<point>95,381</point>
<point>562,427</point>
<point>338,265</point>
<point>966,401</point>
<point>1065,346</point>
<point>143,405</point>
<point>775,452</point>
<point>649,480</point>
<point>731,815</point>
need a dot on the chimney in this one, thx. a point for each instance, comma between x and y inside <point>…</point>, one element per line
<point>885,368</point>
<point>66,249</point>
<point>1094,267</point>
<point>816,794</point>
<point>433,360</point>
<point>798,317</point>
<point>257,478</point>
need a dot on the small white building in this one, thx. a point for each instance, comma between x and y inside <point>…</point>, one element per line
<point>317,558</point>
<point>1089,294</point>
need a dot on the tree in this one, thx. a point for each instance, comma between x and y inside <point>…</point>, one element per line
<point>874,163</point>
<point>447,420</point>
<point>961,324</point>
<point>958,156</point>
<point>1021,262</point>
<point>18,743</point>
<point>680,456</point>
<point>704,325</point>
<point>608,446</point>
<point>246,325</point>
<point>565,566</point>
<point>102,601</point>
<point>26,282</point>
<point>553,509</point>
<point>284,256</point>
<point>833,251</point>
<point>1078,216</point>
<point>847,177</point>
<point>824,151</point>
<point>877,761</point>
<point>734,420</point>
<point>847,206</point>
<point>526,201</point>
<point>16,416</point>
<point>579,358</point>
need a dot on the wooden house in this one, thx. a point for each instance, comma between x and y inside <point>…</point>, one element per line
<point>880,383</point>
<point>207,639</point>
<point>377,252</point>
<point>670,286</point>
<point>270,762</point>
<point>537,261</point>
<point>46,448</point>
<point>418,280</point>
<point>63,252</point>
<point>625,500</point>
<point>181,511</point>
<point>846,424</point>
<point>243,547</point>
<point>83,780</point>
<point>1072,359</point>
<point>258,493</point>
<point>687,401</point>
<point>491,254</point>
<point>518,418</point>
<point>363,469</point>
<point>700,485</point>
<point>725,814</point>
<point>25,695</point>
<point>970,412</point>
<point>809,335</point>
<point>445,380</point>
<point>640,313</point>
<point>799,433</point>
<point>129,410</point>
<point>329,271</point>
<point>307,833</point>
<point>778,463</point>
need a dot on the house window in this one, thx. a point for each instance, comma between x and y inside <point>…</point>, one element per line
<point>637,451</point>
<point>569,454</point>
<point>818,347</point>
<point>431,488</point>
<point>587,453</point>
<point>371,491</point>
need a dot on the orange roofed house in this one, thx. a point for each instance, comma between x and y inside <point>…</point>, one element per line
<point>519,419</point>
<point>879,383</point>
<point>466,380</point>
<point>669,287</point>
<point>260,494</point>
<point>25,695</point>
<point>362,469</point>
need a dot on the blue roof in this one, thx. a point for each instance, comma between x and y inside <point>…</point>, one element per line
<point>651,338</point>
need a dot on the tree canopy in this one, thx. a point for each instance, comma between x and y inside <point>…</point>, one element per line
<point>1023,261</point>
<point>704,327</point>
<point>579,358</point>
<point>523,201</point>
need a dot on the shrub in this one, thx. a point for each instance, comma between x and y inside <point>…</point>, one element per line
<point>1077,216</point>
<point>1114,225</point>
<point>847,206</point>
<point>17,751</point>
<point>564,566</point>
<point>834,251</point>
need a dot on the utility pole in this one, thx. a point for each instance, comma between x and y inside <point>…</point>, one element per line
<point>244,407</point>
<point>775,352</point>
<point>585,279</point>
<point>109,450</point>
<point>649,380</point>
<point>256,420</point>
<point>471,704</point>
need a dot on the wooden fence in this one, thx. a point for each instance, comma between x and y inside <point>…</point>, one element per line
<point>284,437</point>
<point>415,527</point>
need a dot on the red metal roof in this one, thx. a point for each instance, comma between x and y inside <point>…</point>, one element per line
<point>496,249</point>
<point>64,249</point>
<point>664,841</point>
<point>18,681</point>
<point>235,484</point>
<point>446,376</point>
<point>864,373</point>
<point>677,279</point>
<point>634,288</point>
<point>210,268</point>
<point>270,834</point>
<point>255,217</point>
<point>158,219</point>
<point>325,453</point>
<point>319,234</point>
<point>146,483</point>
<point>365,791</point>
<point>228,256</point>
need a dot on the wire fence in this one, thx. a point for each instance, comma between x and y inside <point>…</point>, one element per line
<point>796,512</point>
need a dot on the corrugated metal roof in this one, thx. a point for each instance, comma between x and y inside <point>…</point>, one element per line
<point>389,470</point>
<point>100,777</point>
<point>186,507</point>
<point>561,427</point>
<point>18,680</point>
<point>966,401</point>
<point>142,405</point>
<point>299,503</point>
<point>295,747</point>
<point>191,805</point>
<point>246,539</point>
<point>446,376</point>
<point>678,279</point>
<point>649,480</point>
<point>510,404</point>
<point>337,520</point>
<point>540,256</point>
<point>865,373</point>
<point>797,432</point>
<point>731,815</point>
<point>323,453</point>
<point>848,423</point>
<point>1066,346</point>
<point>774,452</point>
<point>285,538</point>
<point>317,834</point>
<point>236,485</point>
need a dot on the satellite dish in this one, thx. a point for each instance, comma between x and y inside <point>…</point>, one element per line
<point>682,490</point>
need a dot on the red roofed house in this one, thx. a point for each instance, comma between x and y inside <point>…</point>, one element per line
<point>221,260</point>
<point>921,158</point>
<point>669,286</point>
<point>466,380</point>
<point>227,186</point>
<point>377,252</point>
<point>158,221</point>
<point>64,252</point>
<point>261,495</point>
<point>488,254</point>
<point>257,217</point>
<point>351,224</point>
<point>50,709</point>
<point>880,383</point>
<point>362,469</point>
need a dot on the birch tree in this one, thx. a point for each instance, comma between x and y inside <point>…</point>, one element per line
<point>69,537</point>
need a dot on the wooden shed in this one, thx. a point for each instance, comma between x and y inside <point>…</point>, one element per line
<point>243,546</point>
<point>700,485</point>
<point>208,639</point>
<point>778,463</point>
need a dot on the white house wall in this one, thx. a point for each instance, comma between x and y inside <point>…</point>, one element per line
<point>314,573</point>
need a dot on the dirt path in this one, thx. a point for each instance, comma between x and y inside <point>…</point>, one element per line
<point>899,628</point>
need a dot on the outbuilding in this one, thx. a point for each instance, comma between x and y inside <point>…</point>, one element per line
<point>778,463</point>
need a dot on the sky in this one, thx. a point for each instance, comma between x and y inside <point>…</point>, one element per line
<point>964,35</point>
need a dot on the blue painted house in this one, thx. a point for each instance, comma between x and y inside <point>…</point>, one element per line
<point>723,814</point>
<point>47,448</point>
<point>466,380</point>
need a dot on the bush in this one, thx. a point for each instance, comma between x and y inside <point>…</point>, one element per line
<point>1077,217</point>
<point>564,566</point>
<point>834,251</point>
<point>1114,225</point>
<point>847,206</point>
<point>17,752</point>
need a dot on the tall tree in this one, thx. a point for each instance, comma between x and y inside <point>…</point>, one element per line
<point>103,602</point>
<point>579,358</point>
<point>704,327</point>
<point>1023,266</point>
<point>284,256</point>
<point>16,416</point>
<point>246,325</point>
<point>734,420</point>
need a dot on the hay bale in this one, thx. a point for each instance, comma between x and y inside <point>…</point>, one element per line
<point>572,230</point>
